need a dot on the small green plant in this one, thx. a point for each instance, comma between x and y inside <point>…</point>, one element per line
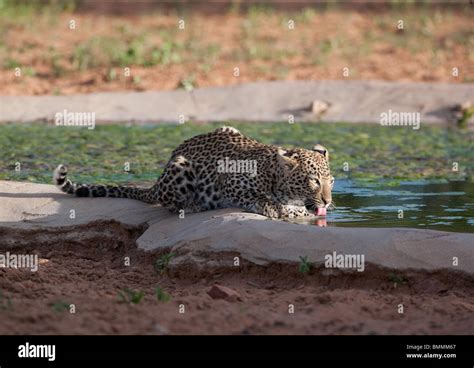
<point>57,69</point>
<point>187,83</point>
<point>260,11</point>
<point>304,266</point>
<point>29,72</point>
<point>132,55</point>
<point>161,295</point>
<point>397,279</point>
<point>161,263</point>
<point>168,53</point>
<point>466,114</point>
<point>136,79</point>
<point>111,74</point>
<point>10,63</point>
<point>81,57</point>
<point>5,302</point>
<point>308,14</point>
<point>61,306</point>
<point>130,296</point>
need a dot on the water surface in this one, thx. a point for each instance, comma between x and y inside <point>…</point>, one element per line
<point>447,206</point>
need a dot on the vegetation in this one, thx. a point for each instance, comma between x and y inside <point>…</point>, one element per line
<point>161,295</point>
<point>258,37</point>
<point>398,279</point>
<point>130,296</point>
<point>61,306</point>
<point>304,266</point>
<point>162,263</point>
<point>5,302</point>
<point>361,152</point>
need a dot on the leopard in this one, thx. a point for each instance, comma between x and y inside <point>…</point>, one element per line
<point>225,168</point>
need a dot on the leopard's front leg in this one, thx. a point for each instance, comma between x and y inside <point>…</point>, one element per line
<point>269,209</point>
<point>277,210</point>
<point>293,211</point>
<point>272,209</point>
<point>259,204</point>
<point>264,205</point>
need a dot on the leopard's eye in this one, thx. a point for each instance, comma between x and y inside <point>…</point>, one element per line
<point>316,183</point>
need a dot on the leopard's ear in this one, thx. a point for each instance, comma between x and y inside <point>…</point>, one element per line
<point>322,150</point>
<point>285,160</point>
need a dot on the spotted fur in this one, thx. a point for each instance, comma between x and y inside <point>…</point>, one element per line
<point>286,183</point>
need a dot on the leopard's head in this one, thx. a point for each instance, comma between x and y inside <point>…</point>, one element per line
<point>305,177</point>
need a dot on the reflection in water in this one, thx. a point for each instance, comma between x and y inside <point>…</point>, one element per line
<point>441,206</point>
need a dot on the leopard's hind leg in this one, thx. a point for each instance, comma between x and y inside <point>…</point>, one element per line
<point>178,186</point>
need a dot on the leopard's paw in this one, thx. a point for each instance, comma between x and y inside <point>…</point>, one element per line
<point>295,211</point>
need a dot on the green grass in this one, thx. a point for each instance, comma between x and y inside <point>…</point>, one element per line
<point>61,306</point>
<point>304,266</point>
<point>398,279</point>
<point>5,302</point>
<point>134,50</point>
<point>372,152</point>
<point>161,295</point>
<point>187,83</point>
<point>466,115</point>
<point>24,13</point>
<point>130,296</point>
<point>161,263</point>
<point>131,46</point>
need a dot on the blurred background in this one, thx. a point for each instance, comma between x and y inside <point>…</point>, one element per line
<point>220,35</point>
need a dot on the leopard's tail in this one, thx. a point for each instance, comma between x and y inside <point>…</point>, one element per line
<point>91,190</point>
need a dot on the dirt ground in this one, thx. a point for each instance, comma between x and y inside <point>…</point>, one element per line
<point>89,272</point>
<point>91,58</point>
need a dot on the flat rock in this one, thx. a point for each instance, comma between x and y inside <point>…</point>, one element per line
<point>198,237</point>
<point>347,101</point>
<point>32,206</point>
